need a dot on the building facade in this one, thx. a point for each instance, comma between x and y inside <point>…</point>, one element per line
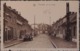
<point>60,27</point>
<point>15,26</point>
<point>43,28</point>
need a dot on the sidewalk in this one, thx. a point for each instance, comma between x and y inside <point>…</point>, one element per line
<point>60,43</point>
<point>12,43</point>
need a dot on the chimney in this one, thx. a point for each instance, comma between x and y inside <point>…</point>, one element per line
<point>67,7</point>
<point>19,13</point>
<point>4,5</point>
<point>68,36</point>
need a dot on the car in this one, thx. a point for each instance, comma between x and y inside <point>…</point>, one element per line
<point>27,37</point>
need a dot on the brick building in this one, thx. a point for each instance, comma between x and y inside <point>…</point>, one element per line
<point>60,27</point>
<point>14,24</point>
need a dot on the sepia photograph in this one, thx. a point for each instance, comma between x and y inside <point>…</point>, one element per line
<point>50,25</point>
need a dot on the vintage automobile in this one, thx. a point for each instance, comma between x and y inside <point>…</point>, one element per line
<point>28,37</point>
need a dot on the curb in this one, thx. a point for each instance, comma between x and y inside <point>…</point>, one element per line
<point>13,44</point>
<point>52,42</point>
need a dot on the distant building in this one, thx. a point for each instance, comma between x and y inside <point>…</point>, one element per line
<point>14,24</point>
<point>43,28</point>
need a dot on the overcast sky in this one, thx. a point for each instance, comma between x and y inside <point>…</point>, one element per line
<point>42,10</point>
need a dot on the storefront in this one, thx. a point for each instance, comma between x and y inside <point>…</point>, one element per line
<point>8,34</point>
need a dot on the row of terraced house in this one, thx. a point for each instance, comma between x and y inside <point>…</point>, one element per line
<point>14,24</point>
<point>59,28</point>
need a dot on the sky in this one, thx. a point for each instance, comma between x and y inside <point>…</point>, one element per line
<point>42,10</point>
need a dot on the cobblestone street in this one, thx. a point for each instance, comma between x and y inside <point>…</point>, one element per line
<point>40,41</point>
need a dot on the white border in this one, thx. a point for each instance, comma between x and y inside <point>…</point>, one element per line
<point>24,49</point>
<point>1,26</point>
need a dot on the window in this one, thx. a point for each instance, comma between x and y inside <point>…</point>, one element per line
<point>5,34</point>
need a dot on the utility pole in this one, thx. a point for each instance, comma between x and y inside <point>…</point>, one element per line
<point>50,26</point>
<point>50,20</point>
<point>34,25</point>
<point>34,19</point>
<point>68,31</point>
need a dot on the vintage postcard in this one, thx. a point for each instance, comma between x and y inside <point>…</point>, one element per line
<point>39,25</point>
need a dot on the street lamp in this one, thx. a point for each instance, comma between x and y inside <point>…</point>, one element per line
<point>34,19</point>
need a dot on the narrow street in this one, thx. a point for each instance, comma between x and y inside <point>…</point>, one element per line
<point>57,19</point>
<point>40,41</point>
